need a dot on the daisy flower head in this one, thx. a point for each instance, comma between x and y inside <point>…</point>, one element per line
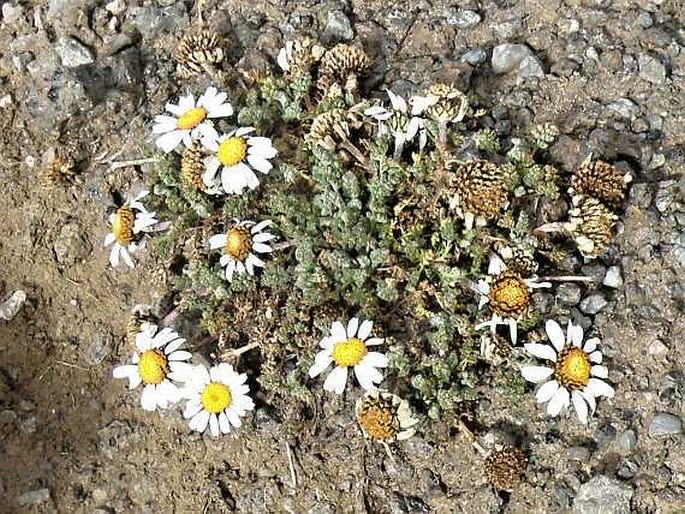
<point>191,120</point>
<point>159,364</point>
<point>235,157</point>
<point>217,397</point>
<point>385,417</point>
<point>126,224</point>
<point>240,245</point>
<point>348,347</point>
<point>575,375</point>
<point>507,294</point>
<point>397,122</point>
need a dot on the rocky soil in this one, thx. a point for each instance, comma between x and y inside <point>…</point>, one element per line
<point>90,75</point>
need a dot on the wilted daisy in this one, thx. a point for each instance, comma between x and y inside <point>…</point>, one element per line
<point>299,56</point>
<point>576,374</point>
<point>126,223</point>
<point>349,348</point>
<point>240,244</point>
<point>443,104</point>
<point>507,294</point>
<point>217,397</point>
<point>159,364</point>
<point>237,156</point>
<point>191,120</point>
<point>398,123</point>
<point>385,417</point>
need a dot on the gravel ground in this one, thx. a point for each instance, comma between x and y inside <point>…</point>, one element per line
<point>609,73</point>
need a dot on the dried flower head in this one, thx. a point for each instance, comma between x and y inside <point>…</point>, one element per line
<point>343,64</point>
<point>442,103</point>
<point>59,168</point>
<point>197,51</point>
<point>299,56</point>
<point>519,260</point>
<point>386,417</point>
<point>481,189</point>
<point>601,180</point>
<point>591,224</point>
<point>329,127</point>
<point>503,468</point>
<point>193,165</point>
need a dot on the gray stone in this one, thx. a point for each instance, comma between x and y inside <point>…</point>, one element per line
<point>34,497</point>
<point>474,57</point>
<point>73,53</point>
<point>626,442</point>
<point>624,107</point>
<point>507,57</point>
<point>664,425</point>
<point>70,246</point>
<point>530,67</point>
<point>8,416</point>
<point>10,307</point>
<point>579,453</point>
<point>116,7</point>
<point>464,19</point>
<point>508,29</point>
<point>11,13</point>
<point>651,69</point>
<point>593,304</point>
<point>338,27</point>
<point>613,278</point>
<point>665,195</point>
<point>568,294</point>
<point>644,20</point>
<point>603,495</point>
<point>152,21</point>
<point>29,424</point>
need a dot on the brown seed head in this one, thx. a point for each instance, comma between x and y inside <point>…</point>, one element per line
<point>591,225</point>
<point>522,262</point>
<point>192,165</point>
<point>329,127</point>
<point>601,180</point>
<point>481,188</point>
<point>383,416</point>
<point>60,170</point>
<point>341,64</point>
<point>451,104</point>
<point>509,295</point>
<point>503,468</point>
<point>198,50</point>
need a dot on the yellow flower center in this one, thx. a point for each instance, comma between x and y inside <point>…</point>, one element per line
<point>509,295</point>
<point>349,352</point>
<point>377,420</point>
<point>122,226</point>
<point>191,118</point>
<point>232,150</point>
<point>153,367</point>
<point>238,243</point>
<point>572,369</point>
<point>216,397</point>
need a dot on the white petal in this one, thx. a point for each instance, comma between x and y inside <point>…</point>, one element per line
<point>263,237</point>
<point>336,380</point>
<point>169,141</point>
<point>599,371</point>
<point>596,357</point>
<point>253,260</point>
<point>338,332</point>
<point>590,399</point>
<point>173,346</point>
<point>555,334</point>
<point>575,334</point>
<point>375,359</point>
<point>181,355</point>
<point>513,331</point>
<point>244,131</point>
<point>127,257</point>
<point>496,265</point>
<point>221,111</point>
<point>109,239</point>
<point>262,248</point>
<point>214,425</point>
<point>558,402</point>
<point>114,255</point>
<point>199,422</point>
<point>282,60</point>
<point>397,102</point>
<point>541,351</point>
<point>591,345</point>
<point>580,406</point>
<point>364,377</point>
<point>546,391</point>
<point>365,330</point>
<point>217,241</point>
<point>192,408</point>
<point>321,362</point>
<point>374,341</point>
<point>352,327</point>
<point>260,164</point>
<point>599,387</point>
<point>149,399</point>
<point>536,374</point>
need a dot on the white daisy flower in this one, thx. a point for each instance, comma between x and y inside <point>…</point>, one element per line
<point>349,348</point>
<point>191,120</point>
<point>240,244</point>
<point>576,374</point>
<point>398,123</point>
<point>217,397</point>
<point>507,294</point>
<point>159,364</point>
<point>238,156</point>
<point>126,223</point>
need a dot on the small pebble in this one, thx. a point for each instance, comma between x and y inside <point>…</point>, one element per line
<point>651,69</point>
<point>507,57</point>
<point>464,19</point>
<point>627,441</point>
<point>664,425</point>
<point>10,307</point>
<point>657,348</point>
<point>568,294</point>
<point>73,53</point>
<point>474,57</point>
<point>613,278</point>
<point>593,304</point>
<point>338,27</point>
<point>34,497</point>
<point>579,453</point>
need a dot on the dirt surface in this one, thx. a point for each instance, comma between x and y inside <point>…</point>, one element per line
<point>614,84</point>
